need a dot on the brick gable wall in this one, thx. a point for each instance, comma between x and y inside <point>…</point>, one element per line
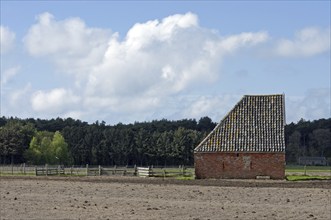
<point>239,165</point>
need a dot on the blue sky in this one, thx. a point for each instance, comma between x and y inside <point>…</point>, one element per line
<point>142,60</point>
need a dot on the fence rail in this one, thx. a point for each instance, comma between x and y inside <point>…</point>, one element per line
<point>49,171</point>
<point>87,170</point>
<point>144,171</point>
<point>151,171</point>
<point>17,169</point>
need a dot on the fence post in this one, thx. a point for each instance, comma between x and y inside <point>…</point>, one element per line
<point>124,170</point>
<point>35,170</point>
<point>86,169</point>
<point>135,170</point>
<point>305,171</point>
<point>71,170</point>
<point>24,168</point>
<point>99,170</point>
<point>46,166</point>
<point>12,169</point>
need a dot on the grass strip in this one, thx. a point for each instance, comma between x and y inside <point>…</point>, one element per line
<point>306,178</point>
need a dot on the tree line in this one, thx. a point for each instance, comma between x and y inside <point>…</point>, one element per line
<point>308,139</point>
<point>159,142</point>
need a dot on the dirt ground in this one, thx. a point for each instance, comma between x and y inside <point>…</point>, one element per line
<point>145,198</point>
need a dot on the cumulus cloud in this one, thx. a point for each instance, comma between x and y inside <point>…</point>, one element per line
<point>15,101</point>
<point>314,104</point>
<point>216,107</point>
<point>7,38</point>
<point>55,100</point>
<point>19,96</point>
<point>307,42</point>
<point>155,60</point>
<point>8,74</point>
<point>232,43</point>
<point>73,46</point>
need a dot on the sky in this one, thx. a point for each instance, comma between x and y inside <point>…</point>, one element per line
<point>130,61</point>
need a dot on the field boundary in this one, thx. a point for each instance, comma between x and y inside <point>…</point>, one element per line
<point>323,184</point>
<point>88,170</point>
<point>150,171</point>
<point>49,171</point>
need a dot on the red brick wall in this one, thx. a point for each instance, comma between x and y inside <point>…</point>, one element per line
<point>239,165</point>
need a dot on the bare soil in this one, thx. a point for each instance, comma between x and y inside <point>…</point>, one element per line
<point>148,198</point>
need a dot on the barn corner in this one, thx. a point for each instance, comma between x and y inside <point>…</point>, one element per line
<point>248,143</point>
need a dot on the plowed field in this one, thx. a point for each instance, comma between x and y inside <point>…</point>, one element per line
<point>147,198</point>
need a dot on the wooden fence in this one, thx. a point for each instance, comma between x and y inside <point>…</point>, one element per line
<point>49,171</point>
<point>17,169</point>
<point>144,171</point>
<point>123,171</point>
<point>88,170</point>
<point>164,172</point>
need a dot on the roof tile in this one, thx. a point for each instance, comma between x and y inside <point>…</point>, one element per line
<point>255,124</point>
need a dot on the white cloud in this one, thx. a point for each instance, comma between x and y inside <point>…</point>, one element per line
<point>307,42</point>
<point>148,73</point>
<point>314,104</point>
<point>232,43</point>
<point>54,101</point>
<point>19,96</point>
<point>73,46</point>
<point>74,114</point>
<point>15,101</point>
<point>8,74</point>
<point>7,38</point>
<point>156,60</point>
<point>161,58</point>
<point>216,107</point>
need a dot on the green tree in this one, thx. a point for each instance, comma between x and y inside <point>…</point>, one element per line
<point>320,142</point>
<point>293,147</point>
<point>33,153</point>
<point>14,140</point>
<point>59,149</point>
<point>48,147</point>
<point>38,152</point>
<point>206,124</point>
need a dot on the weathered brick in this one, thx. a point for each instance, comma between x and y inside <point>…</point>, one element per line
<point>248,142</point>
<point>239,165</point>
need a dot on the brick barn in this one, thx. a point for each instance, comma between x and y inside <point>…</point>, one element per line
<point>248,142</point>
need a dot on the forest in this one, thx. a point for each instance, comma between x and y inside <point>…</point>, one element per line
<point>159,142</point>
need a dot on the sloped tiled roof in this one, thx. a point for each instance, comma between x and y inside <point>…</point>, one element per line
<point>255,124</point>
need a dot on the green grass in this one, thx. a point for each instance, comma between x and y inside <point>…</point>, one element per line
<point>185,178</point>
<point>305,177</point>
<point>16,174</point>
<point>68,174</point>
<point>32,174</point>
<point>296,168</point>
<point>173,172</point>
